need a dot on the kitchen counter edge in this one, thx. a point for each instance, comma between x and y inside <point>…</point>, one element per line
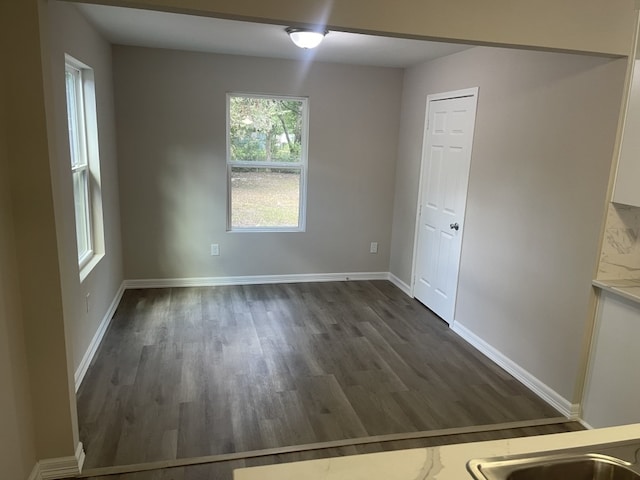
<point>447,462</point>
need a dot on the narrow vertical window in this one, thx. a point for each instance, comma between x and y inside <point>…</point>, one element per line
<point>266,162</point>
<point>81,134</point>
<point>79,161</point>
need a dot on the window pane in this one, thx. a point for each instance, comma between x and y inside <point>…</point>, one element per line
<point>80,196</point>
<point>265,129</point>
<point>72,118</point>
<point>265,197</point>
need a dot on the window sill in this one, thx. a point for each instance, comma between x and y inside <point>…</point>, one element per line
<point>91,264</point>
<point>266,230</point>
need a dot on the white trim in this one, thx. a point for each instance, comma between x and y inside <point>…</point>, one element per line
<point>253,279</point>
<point>35,471</point>
<point>553,398</point>
<point>400,284</point>
<point>90,265</point>
<point>58,468</point>
<point>97,338</point>
<point>303,164</point>
<point>77,70</point>
<point>80,456</point>
<point>601,289</point>
<point>585,424</point>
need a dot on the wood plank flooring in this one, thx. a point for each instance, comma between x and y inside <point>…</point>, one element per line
<point>185,372</point>
<point>224,470</point>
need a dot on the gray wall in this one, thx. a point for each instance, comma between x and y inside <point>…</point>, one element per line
<point>17,442</point>
<point>171,151</point>
<point>37,272</point>
<point>542,151</point>
<point>580,25</point>
<point>33,300</point>
<point>70,33</point>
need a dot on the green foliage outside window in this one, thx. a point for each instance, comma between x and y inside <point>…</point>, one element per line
<point>265,129</point>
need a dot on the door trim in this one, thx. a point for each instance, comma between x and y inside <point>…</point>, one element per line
<point>466,92</point>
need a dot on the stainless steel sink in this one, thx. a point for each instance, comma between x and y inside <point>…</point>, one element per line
<point>612,461</point>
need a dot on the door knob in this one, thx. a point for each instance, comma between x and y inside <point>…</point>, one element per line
<point>454,226</point>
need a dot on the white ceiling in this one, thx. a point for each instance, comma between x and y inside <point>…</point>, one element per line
<point>146,28</point>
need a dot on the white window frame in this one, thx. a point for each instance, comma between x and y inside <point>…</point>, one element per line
<point>80,158</point>
<point>302,165</point>
<point>84,162</point>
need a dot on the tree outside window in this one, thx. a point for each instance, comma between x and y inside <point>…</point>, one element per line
<point>266,162</point>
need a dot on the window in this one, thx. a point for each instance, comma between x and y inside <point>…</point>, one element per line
<point>266,162</point>
<point>83,151</point>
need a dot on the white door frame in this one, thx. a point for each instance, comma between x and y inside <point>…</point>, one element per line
<point>473,91</point>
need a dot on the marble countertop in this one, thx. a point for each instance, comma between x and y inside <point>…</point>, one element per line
<point>629,289</point>
<point>447,462</point>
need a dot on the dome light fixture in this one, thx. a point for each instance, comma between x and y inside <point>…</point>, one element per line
<point>306,37</point>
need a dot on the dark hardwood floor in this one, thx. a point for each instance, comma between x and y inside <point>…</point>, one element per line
<point>187,372</point>
<point>224,470</point>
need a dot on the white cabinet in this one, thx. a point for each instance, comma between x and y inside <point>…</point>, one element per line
<point>612,395</point>
<point>627,187</point>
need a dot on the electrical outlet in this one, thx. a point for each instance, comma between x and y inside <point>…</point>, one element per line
<point>374,247</point>
<point>215,249</point>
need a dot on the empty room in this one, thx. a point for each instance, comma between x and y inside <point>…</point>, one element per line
<point>265,253</point>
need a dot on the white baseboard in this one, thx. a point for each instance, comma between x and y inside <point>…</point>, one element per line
<point>97,338</point>
<point>585,424</point>
<point>34,473</point>
<point>59,468</point>
<point>400,284</point>
<point>253,280</point>
<point>553,398</point>
<point>80,456</point>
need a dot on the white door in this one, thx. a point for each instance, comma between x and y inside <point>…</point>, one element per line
<point>446,158</point>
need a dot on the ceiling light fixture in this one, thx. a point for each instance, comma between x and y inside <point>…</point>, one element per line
<point>306,37</point>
